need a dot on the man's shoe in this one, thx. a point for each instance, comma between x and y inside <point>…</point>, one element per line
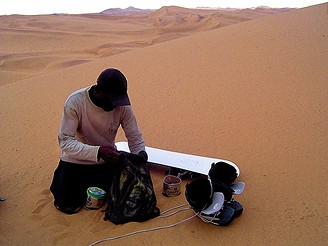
<point>68,210</point>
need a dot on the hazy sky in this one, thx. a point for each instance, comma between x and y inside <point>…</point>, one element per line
<point>95,6</point>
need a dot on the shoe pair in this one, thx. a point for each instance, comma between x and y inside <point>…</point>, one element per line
<point>229,212</point>
<point>68,209</point>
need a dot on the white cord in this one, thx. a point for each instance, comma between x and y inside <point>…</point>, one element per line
<point>141,231</point>
<point>178,211</point>
<point>173,213</point>
<point>179,206</point>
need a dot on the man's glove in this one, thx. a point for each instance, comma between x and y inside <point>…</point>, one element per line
<point>143,155</point>
<point>135,158</point>
<point>107,153</point>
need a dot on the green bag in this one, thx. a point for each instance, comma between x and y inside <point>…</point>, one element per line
<point>132,196</point>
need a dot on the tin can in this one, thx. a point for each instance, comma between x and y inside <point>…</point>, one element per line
<point>95,198</point>
<point>171,186</point>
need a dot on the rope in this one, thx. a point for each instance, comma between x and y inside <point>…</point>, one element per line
<point>151,229</point>
<point>173,213</point>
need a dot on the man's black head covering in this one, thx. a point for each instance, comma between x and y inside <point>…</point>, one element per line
<point>114,83</point>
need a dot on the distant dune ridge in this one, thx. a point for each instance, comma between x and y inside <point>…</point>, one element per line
<point>49,42</point>
<point>254,92</point>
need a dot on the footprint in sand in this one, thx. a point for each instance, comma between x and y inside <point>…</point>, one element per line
<point>42,202</point>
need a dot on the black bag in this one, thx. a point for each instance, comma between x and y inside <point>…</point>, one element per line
<point>131,196</point>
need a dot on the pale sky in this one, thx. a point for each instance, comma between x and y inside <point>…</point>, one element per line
<point>32,7</point>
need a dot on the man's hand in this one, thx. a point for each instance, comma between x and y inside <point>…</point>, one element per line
<point>135,158</point>
<point>108,152</point>
<point>143,156</point>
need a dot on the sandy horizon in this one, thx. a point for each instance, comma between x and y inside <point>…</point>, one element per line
<point>45,43</point>
<point>253,92</point>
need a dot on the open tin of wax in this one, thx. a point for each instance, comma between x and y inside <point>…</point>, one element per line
<point>171,186</point>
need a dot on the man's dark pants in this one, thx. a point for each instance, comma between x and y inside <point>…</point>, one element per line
<point>71,181</point>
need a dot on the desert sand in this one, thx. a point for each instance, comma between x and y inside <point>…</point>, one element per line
<point>249,87</point>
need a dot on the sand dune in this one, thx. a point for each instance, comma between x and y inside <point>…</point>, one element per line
<point>254,93</point>
<point>45,43</point>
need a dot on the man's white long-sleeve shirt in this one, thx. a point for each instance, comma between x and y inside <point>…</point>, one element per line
<point>85,127</point>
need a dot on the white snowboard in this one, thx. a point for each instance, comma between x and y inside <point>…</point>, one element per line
<point>194,163</point>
